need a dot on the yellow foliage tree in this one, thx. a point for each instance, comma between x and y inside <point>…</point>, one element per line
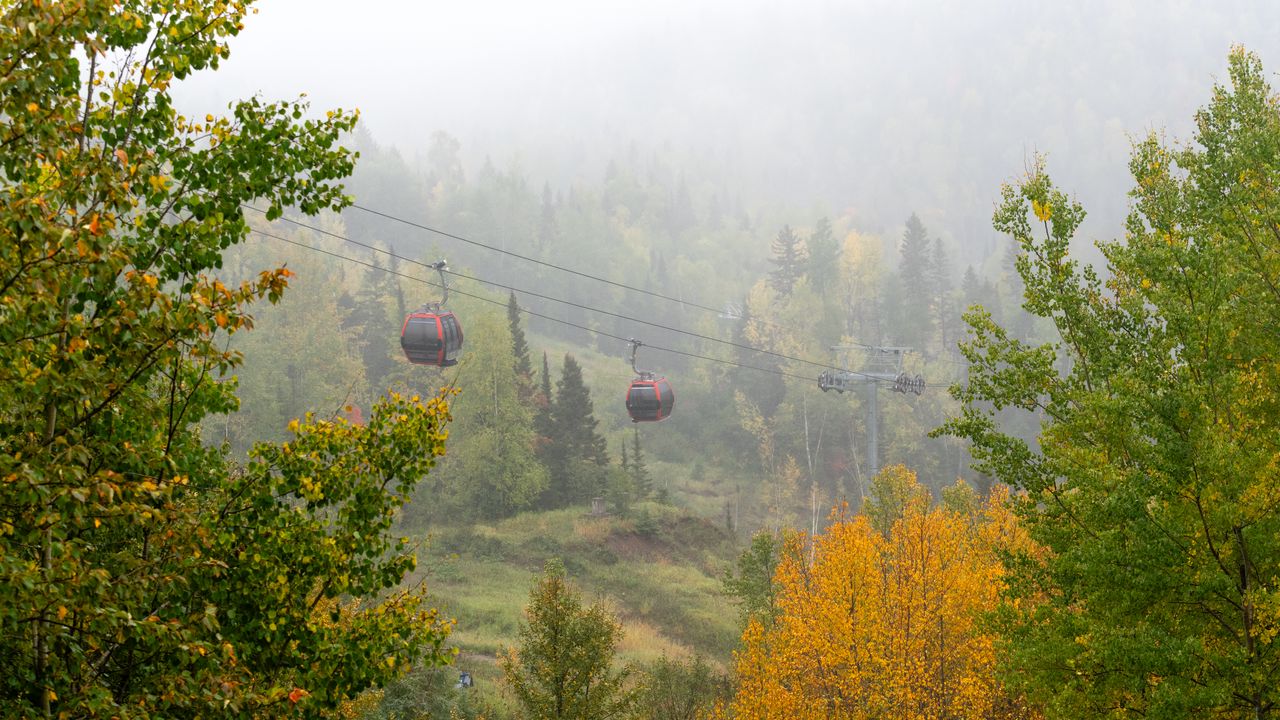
<point>884,626</point>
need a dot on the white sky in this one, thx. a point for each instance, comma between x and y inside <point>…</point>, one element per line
<point>843,103</point>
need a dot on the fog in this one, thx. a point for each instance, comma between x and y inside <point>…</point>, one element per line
<point>869,109</point>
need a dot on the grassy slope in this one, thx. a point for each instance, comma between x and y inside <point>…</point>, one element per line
<point>664,586</point>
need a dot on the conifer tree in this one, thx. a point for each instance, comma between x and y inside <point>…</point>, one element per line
<point>911,307</point>
<point>542,417</point>
<point>370,319</point>
<point>978,291</point>
<point>639,471</point>
<point>824,256</point>
<point>520,350</point>
<point>548,228</point>
<point>1016,320</point>
<point>789,259</point>
<point>944,314</point>
<point>575,453</point>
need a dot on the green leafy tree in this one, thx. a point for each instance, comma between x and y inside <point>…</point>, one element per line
<point>750,584</point>
<point>493,471</point>
<point>140,574</point>
<point>429,693</point>
<point>1153,487</point>
<point>680,690</point>
<point>563,667</point>
<point>303,355</point>
<point>893,490</point>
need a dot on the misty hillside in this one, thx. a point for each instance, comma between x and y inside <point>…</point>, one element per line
<point>574,361</point>
<point>876,109</point>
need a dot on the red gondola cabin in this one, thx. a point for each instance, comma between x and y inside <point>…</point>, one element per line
<point>650,399</point>
<point>431,338</point>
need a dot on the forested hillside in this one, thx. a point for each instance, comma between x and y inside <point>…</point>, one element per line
<point>297,428</point>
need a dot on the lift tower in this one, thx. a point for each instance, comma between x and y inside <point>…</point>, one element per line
<point>881,365</point>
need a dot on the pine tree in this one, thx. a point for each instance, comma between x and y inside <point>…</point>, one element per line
<point>544,400</point>
<point>574,415</point>
<point>520,349</point>
<point>976,291</point>
<point>911,308</point>
<point>546,380</point>
<point>824,256</point>
<point>548,228</point>
<point>576,454</point>
<point>1017,320</point>
<point>393,283</point>
<point>639,472</point>
<point>371,321</point>
<point>789,259</point>
<point>945,316</point>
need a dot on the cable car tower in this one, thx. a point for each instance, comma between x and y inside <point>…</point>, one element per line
<point>881,365</point>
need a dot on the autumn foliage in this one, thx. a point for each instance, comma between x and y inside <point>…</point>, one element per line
<point>874,625</point>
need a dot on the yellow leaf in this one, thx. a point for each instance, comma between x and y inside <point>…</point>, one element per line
<point>32,108</point>
<point>221,319</point>
<point>1042,211</point>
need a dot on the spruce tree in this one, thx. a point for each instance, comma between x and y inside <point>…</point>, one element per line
<point>1017,320</point>
<point>639,471</point>
<point>789,259</point>
<point>824,256</point>
<point>945,316</point>
<point>574,416</point>
<point>371,321</point>
<point>911,308</point>
<point>544,401</point>
<point>576,453</point>
<point>520,350</point>
<point>548,228</point>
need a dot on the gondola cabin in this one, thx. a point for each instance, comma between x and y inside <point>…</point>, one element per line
<point>650,399</point>
<point>431,338</point>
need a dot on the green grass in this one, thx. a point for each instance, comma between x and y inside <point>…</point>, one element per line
<point>664,586</point>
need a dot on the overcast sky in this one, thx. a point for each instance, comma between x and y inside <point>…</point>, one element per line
<point>876,108</point>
